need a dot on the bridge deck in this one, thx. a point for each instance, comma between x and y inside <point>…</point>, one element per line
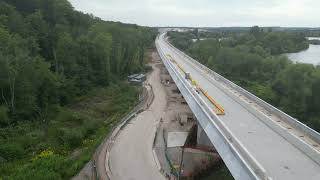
<point>280,158</point>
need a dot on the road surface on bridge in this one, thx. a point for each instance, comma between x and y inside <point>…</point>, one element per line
<point>281,159</point>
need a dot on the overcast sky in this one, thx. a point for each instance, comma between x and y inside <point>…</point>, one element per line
<point>210,13</point>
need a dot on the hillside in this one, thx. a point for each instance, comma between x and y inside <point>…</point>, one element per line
<point>53,58</point>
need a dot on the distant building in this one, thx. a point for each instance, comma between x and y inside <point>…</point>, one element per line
<point>137,79</point>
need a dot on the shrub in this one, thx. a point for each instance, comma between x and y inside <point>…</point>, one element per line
<point>4,119</point>
<point>72,138</point>
<point>314,122</point>
<point>48,167</point>
<point>26,141</point>
<point>11,150</point>
<point>43,154</point>
<point>66,116</point>
<point>90,126</point>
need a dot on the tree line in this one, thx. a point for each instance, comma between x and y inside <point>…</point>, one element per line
<point>255,61</point>
<point>50,54</point>
<point>61,85</point>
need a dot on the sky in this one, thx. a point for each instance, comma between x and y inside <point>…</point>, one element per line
<point>205,13</point>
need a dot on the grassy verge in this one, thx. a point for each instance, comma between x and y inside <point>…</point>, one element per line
<point>60,146</point>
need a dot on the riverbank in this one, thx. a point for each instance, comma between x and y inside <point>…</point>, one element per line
<point>309,56</point>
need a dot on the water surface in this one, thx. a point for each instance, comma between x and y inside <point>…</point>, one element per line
<point>311,55</point>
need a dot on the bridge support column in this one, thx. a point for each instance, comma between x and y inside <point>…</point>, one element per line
<point>202,138</point>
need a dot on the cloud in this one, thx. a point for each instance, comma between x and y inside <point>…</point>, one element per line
<point>205,12</point>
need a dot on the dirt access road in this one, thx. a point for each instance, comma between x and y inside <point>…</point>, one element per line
<point>131,156</point>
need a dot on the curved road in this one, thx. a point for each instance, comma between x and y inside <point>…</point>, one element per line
<point>131,156</point>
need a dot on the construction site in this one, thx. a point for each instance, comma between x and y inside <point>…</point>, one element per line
<point>183,151</point>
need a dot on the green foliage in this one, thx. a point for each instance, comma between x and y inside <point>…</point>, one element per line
<point>50,57</point>
<point>282,42</point>
<point>4,119</point>
<point>11,151</point>
<point>256,31</point>
<point>181,40</point>
<point>72,134</point>
<point>72,138</point>
<point>50,54</point>
<point>293,86</point>
<point>221,172</point>
<point>265,92</point>
<point>314,122</point>
<point>49,167</point>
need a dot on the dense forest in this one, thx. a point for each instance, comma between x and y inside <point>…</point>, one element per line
<point>254,60</point>
<point>51,58</point>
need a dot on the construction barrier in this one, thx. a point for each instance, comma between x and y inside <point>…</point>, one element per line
<point>215,103</point>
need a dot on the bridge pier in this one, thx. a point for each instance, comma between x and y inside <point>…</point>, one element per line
<point>202,138</point>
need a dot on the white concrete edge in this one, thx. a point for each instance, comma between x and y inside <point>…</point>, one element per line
<point>107,167</point>
<point>155,157</point>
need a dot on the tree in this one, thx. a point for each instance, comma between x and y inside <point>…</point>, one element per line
<point>67,55</point>
<point>293,88</point>
<point>12,54</point>
<point>4,119</point>
<point>101,43</point>
<point>50,57</point>
<point>14,20</point>
<point>314,98</point>
<point>256,31</point>
<point>211,62</point>
<point>196,33</point>
<point>47,86</point>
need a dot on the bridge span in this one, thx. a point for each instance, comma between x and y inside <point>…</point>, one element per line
<point>254,139</point>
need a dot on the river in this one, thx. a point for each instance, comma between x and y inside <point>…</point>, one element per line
<point>310,56</point>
